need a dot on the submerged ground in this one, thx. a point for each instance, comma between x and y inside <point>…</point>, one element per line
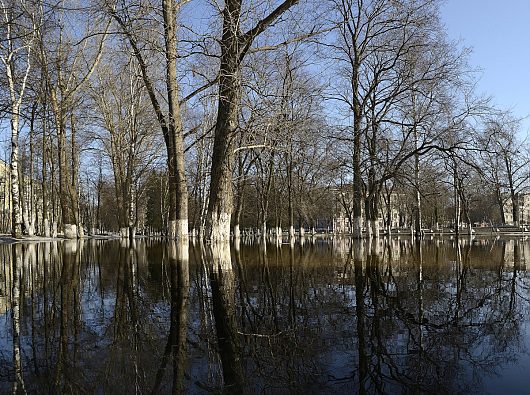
<point>314,316</point>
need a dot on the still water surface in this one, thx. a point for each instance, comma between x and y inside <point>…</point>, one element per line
<point>318,316</point>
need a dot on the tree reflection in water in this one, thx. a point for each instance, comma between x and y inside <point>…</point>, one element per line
<point>379,316</point>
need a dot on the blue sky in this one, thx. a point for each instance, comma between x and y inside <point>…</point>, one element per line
<point>499,34</point>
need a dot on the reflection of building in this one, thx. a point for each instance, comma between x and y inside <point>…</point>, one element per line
<point>523,209</point>
<point>516,254</point>
<point>5,285</point>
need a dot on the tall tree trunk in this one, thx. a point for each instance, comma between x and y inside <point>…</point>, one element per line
<point>417,197</point>
<point>67,200</point>
<point>44,186</point>
<point>234,46</point>
<point>73,185</point>
<point>290,207</point>
<point>500,203</point>
<point>456,199</point>
<point>221,195</point>
<point>357,173</point>
<point>515,207</point>
<point>172,128</point>
<point>178,208</point>
<point>32,218</point>
<point>15,192</point>
<point>239,203</point>
<point>17,87</point>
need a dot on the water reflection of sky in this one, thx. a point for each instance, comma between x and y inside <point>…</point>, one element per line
<point>327,316</point>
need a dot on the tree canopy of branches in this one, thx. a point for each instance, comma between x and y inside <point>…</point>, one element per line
<point>285,113</point>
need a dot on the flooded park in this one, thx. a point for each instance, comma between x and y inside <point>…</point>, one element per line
<point>264,197</point>
<point>314,315</point>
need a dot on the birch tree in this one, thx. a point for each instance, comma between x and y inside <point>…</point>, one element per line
<point>19,30</point>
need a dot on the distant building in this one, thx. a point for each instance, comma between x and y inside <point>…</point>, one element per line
<point>344,207</point>
<point>523,210</point>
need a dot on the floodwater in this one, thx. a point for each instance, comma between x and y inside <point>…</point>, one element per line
<point>315,316</point>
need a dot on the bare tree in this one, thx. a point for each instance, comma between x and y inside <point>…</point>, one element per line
<point>405,91</point>
<point>171,123</point>
<point>505,162</point>
<point>68,61</point>
<point>19,29</point>
<point>120,98</point>
<point>235,45</point>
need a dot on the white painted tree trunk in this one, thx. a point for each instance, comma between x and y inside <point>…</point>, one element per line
<point>291,231</point>
<point>358,250</point>
<point>237,232</point>
<point>46,227</point>
<point>15,190</point>
<point>54,229</point>
<point>357,227</point>
<point>375,247</point>
<point>369,233</point>
<point>29,222</point>
<point>70,231</point>
<point>178,229</point>
<point>302,231</point>
<point>375,228</point>
<point>220,229</point>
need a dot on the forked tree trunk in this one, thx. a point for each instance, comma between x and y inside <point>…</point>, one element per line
<point>234,46</point>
